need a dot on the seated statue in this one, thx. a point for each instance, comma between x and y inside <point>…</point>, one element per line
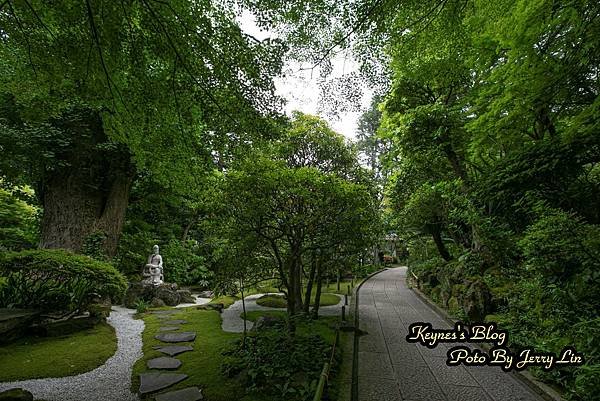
<point>153,271</point>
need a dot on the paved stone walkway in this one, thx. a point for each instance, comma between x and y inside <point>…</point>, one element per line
<point>391,369</point>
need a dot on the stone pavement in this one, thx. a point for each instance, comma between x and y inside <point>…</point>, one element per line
<point>391,369</point>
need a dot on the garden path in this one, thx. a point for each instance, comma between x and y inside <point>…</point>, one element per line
<point>110,381</point>
<point>392,369</point>
<point>233,323</point>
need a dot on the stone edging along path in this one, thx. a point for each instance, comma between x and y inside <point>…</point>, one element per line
<point>111,381</point>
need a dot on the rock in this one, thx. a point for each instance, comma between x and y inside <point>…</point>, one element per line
<point>100,310</point>
<point>173,350</point>
<point>15,322</point>
<point>157,303</point>
<point>476,303</point>
<point>166,312</point>
<point>207,294</point>
<point>218,307</point>
<point>264,322</point>
<point>168,328</point>
<point>150,382</point>
<point>166,292</point>
<point>169,295</point>
<point>182,337</point>
<point>16,394</point>
<point>186,394</point>
<point>185,297</point>
<point>53,328</point>
<point>176,321</point>
<point>163,362</point>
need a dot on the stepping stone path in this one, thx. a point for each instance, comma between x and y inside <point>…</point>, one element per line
<point>178,321</point>
<point>152,382</point>
<point>163,362</point>
<point>173,349</point>
<point>183,337</point>
<point>187,394</point>
<point>168,328</point>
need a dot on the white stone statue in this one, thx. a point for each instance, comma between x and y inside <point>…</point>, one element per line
<point>153,271</point>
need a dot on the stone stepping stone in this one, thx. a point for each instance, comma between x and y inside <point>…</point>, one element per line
<point>163,362</point>
<point>164,312</point>
<point>177,321</point>
<point>150,382</point>
<point>168,328</point>
<point>187,394</point>
<point>183,337</point>
<point>173,350</point>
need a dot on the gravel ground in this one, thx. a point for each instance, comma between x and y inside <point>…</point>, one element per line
<point>199,301</point>
<point>109,382</point>
<point>233,323</point>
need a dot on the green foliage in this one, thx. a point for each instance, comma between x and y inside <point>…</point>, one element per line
<point>18,222</point>
<point>276,363</point>
<point>141,306</point>
<point>362,271</point>
<point>56,280</point>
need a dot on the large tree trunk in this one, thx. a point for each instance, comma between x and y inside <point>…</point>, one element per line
<point>89,195</point>
<point>439,243</point>
<point>315,311</point>
<point>309,283</point>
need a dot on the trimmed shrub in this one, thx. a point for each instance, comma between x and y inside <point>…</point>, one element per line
<point>57,280</point>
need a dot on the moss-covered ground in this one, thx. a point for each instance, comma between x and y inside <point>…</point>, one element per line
<point>37,357</point>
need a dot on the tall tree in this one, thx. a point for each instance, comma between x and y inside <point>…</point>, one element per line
<point>93,91</point>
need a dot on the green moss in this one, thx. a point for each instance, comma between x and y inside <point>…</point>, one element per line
<point>203,365</point>
<point>226,300</point>
<point>32,358</point>
<point>279,301</point>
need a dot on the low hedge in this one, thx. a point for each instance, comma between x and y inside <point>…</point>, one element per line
<point>56,279</point>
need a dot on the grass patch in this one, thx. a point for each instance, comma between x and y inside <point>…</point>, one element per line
<point>203,365</point>
<point>226,300</point>
<point>279,301</point>
<point>38,357</point>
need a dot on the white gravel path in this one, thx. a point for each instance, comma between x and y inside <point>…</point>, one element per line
<point>199,301</point>
<point>233,323</point>
<point>109,382</point>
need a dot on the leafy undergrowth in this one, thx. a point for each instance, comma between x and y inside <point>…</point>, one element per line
<point>285,366</point>
<point>38,357</point>
<point>201,365</point>
<point>279,301</point>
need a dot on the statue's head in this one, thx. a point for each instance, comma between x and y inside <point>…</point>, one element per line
<point>155,249</point>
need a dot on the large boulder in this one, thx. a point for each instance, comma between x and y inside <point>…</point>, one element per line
<point>14,323</point>
<point>148,292</point>
<point>186,297</point>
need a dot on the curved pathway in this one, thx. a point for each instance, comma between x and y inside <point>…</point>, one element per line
<point>391,369</point>
<point>110,381</point>
<point>233,323</point>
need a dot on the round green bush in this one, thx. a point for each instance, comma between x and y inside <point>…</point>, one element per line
<point>56,279</point>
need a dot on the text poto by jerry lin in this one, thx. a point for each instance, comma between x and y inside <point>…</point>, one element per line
<point>498,355</point>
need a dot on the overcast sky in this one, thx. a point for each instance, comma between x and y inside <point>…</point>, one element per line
<point>301,89</point>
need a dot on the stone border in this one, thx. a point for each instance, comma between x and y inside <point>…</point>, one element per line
<point>354,385</point>
<point>524,377</point>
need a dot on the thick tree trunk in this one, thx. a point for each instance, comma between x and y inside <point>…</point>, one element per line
<point>309,283</point>
<point>315,310</point>
<point>439,243</point>
<point>90,194</point>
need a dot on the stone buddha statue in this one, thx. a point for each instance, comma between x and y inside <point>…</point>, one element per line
<point>153,271</point>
